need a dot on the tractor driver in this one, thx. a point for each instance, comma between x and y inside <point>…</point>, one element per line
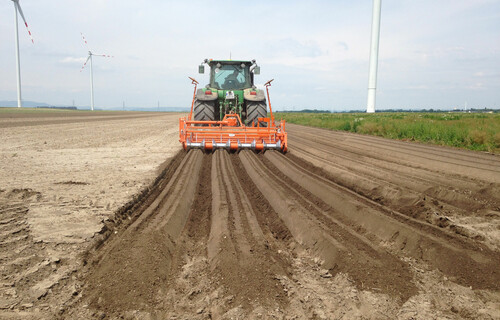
<point>231,81</point>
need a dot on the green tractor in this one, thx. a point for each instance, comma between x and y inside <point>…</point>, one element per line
<point>231,90</point>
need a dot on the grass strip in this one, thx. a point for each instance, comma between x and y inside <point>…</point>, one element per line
<point>473,131</point>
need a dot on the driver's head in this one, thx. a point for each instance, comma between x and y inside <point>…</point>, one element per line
<point>233,76</point>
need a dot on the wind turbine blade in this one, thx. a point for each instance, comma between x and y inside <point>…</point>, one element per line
<point>85,63</point>
<point>16,3</point>
<point>84,40</point>
<point>103,55</point>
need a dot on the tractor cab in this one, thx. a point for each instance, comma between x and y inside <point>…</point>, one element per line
<point>230,90</point>
<point>231,75</point>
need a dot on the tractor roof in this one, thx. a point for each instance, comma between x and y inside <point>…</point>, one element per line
<point>229,61</point>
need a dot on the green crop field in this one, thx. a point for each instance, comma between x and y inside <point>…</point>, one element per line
<point>474,131</point>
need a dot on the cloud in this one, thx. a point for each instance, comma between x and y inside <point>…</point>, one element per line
<point>343,45</point>
<point>419,87</point>
<point>73,60</point>
<point>477,86</point>
<point>440,51</point>
<point>294,48</point>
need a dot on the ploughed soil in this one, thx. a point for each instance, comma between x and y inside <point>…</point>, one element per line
<point>126,225</point>
<point>63,174</point>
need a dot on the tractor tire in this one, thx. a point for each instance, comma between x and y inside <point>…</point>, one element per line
<point>204,110</point>
<point>255,110</point>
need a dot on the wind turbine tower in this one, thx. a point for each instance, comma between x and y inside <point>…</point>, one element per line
<point>372,77</point>
<point>91,71</point>
<point>17,8</point>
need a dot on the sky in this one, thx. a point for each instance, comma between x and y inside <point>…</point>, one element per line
<point>433,54</point>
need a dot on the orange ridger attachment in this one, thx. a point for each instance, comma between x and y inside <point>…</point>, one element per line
<point>231,134</point>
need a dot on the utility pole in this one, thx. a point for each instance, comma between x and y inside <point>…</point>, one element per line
<point>372,77</point>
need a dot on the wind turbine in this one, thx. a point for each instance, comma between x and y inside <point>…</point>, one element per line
<point>17,9</point>
<point>372,77</point>
<point>91,71</point>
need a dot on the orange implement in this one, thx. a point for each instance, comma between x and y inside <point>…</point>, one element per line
<point>231,134</point>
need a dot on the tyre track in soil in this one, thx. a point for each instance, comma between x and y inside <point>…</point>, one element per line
<point>25,272</point>
<point>269,235</point>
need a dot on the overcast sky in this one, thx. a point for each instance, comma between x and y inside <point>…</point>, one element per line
<point>432,53</point>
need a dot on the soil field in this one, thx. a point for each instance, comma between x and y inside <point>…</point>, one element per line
<point>62,175</point>
<point>343,226</point>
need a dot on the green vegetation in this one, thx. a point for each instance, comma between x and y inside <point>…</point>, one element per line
<point>474,131</point>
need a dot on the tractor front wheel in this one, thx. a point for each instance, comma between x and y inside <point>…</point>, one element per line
<point>255,110</point>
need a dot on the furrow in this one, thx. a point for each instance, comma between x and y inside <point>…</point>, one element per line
<point>338,248</point>
<point>455,191</point>
<point>250,224</point>
<point>219,231</point>
<point>144,251</point>
<point>236,249</point>
<point>420,241</point>
<point>237,227</point>
<point>443,162</point>
<point>414,149</point>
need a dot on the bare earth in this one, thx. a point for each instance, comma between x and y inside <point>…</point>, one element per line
<point>62,174</point>
<point>102,217</point>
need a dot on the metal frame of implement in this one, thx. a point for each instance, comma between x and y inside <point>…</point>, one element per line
<point>230,133</point>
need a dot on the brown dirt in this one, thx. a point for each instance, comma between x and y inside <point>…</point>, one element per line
<point>60,185</point>
<point>343,226</point>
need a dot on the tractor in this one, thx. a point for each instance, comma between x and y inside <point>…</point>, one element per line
<point>231,90</point>
<point>230,112</point>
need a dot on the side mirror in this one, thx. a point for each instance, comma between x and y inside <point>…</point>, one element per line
<point>201,69</point>
<point>256,70</point>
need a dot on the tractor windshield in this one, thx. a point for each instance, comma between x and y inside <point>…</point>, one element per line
<point>230,77</point>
